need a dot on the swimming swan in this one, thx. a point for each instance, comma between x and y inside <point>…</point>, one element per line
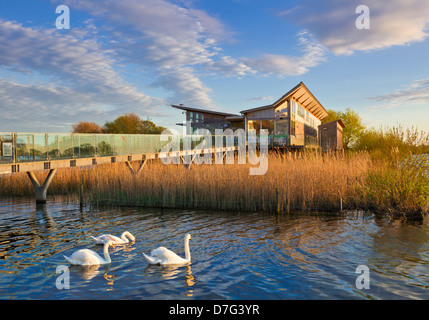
<point>86,257</point>
<point>108,237</point>
<point>163,256</point>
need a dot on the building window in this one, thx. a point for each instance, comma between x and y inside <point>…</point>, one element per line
<point>292,108</point>
<point>307,116</point>
<point>282,127</point>
<point>254,124</point>
<point>269,125</point>
<point>292,127</point>
<point>300,111</point>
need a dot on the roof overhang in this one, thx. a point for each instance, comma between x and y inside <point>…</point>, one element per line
<point>303,96</point>
<point>205,111</point>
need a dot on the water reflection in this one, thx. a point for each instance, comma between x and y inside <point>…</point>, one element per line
<point>235,255</point>
<point>90,272</point>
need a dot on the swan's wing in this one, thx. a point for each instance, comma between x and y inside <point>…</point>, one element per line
<point>160,252</point>
<point>107,237</point>
<point>166,256</point>
<point>85,257</point>
<point>151,260</point>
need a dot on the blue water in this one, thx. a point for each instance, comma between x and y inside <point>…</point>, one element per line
<point>234,255</point>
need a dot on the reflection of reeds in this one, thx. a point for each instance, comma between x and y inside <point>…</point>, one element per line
<point>304,181</point>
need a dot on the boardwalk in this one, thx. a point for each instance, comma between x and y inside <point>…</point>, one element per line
<point>29,152</point>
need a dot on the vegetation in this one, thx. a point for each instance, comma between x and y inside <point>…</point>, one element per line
<point>307,181</point>
<point>129,123</point>
<point>398,180</point>
<point>87,127</point>
<point>354,127</point>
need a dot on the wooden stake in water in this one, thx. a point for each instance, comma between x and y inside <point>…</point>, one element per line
<point>81,196</point>
<point>277,201</point>
<point>162,198</point>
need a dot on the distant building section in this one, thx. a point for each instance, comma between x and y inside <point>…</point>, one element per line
<point>211,120</point>
<point>331,135</point>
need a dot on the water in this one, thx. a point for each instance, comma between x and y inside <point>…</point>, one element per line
<point>234,255</point>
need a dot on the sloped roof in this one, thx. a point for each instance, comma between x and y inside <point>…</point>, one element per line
<point>303,96</point>
<point>181,107</point>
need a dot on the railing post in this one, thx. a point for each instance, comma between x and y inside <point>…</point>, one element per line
<point>14,145</point>
<point>46,147</point>
<point>72,144</point>
<point>95,145</point>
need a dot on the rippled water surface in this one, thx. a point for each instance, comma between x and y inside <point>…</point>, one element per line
<point>234,255</point>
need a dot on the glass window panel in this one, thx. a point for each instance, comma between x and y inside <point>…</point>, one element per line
<point>268,125</point>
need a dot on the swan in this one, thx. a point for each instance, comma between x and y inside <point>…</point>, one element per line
<point>108,237</point>
<point>86,257</point>
<point>163,256</point>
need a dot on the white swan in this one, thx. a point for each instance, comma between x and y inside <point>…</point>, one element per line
<point>108,237</point>
<point>163,256</point>
<point>86,257</point>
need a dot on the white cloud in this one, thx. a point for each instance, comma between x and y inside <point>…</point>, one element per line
<point>392,22</point>
<point>178,43</point>
<point>73,77</point>
<point>417,93</point>
<point>314,53</point>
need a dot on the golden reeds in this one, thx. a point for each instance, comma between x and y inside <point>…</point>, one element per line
<point>294,181</point>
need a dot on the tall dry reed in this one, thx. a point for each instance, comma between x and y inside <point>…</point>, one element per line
<point>294,181</point>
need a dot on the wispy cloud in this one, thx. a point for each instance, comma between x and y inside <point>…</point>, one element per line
<point>283,65</point>
<point>416,93</point>
<point>179,43</point>
<point>76,77</point>
<point>332,22</point>
<point>261,98</point>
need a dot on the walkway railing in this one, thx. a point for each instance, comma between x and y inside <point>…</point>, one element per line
<point>27,147</point>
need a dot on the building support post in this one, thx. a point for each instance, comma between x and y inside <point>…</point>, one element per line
<point>132,170</point>
<point>41,190</point>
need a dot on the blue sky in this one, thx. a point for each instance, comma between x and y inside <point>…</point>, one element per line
<point>228,55</point>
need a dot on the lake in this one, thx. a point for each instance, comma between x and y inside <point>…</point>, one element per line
<point>234,255</point>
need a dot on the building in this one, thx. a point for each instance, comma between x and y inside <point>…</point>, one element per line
<point>331,135</point>
<point>211,120</point>
<point>291,121</point>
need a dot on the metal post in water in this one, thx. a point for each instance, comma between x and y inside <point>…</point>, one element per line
<point>41,190</point>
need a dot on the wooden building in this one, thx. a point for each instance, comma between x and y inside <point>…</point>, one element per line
<point>331,135</point>
<point>291,121</point>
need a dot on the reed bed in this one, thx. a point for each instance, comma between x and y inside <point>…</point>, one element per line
<point>294,181</point>
<point>304,181</point>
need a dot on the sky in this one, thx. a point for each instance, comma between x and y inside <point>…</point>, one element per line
<point>141,56</point>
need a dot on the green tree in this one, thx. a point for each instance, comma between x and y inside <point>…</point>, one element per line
<point>131,123</point>
<point>354,127</point>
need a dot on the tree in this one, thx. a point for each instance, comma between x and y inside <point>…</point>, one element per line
<point>354,129</point>
<point>86,127</point>
<point>131,123</point>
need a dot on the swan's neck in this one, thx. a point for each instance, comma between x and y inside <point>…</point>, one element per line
<point>106,253</point>
<point>187,251</point>
<point>124,236</point>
